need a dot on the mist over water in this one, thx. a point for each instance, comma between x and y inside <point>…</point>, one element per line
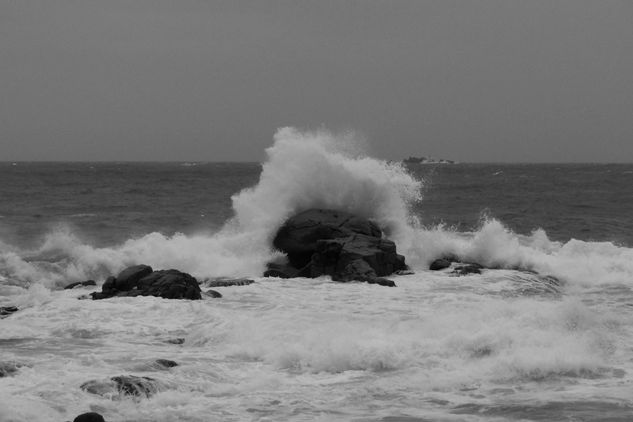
<point>506,344</point>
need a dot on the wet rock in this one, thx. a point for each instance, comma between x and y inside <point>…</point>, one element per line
<point>229,282</point>
<point>9,368</point>
<point>178,340</point>
<point>126,385</point>
<point>163,364</point>
<point>327,242</point>
<point>466,269</point>
<point>5,311</point>
<point>80,284</point>
<point>299,234</point>
<point>439,264</point>
<point>213,294</point>
<point>168,284</point>
<point>129,277</point>
<point>89,417</point>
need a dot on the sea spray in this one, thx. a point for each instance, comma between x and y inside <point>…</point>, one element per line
<point>318,169</point>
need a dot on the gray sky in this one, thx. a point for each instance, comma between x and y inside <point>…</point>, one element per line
<point>211,81</point>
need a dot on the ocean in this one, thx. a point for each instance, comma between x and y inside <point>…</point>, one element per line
<point>544,334</point>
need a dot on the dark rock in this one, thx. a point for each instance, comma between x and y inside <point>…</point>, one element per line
<point>382,282</point>
<point>339,258</point>
<point>168,284</point>
<point>127,385</point>
<point>7,310</point>
<point>80,284</point>
<point>327,242</point>
<point>300,233</point>
<point>465,269</point>
<point>178,340</point>
<point>89,417</point>
<point>129,277</point>
<point>164,364</point>
<point>9,368</point>
<point>230,282</point>
<point>213,293</point>
<point>109,284</point>
<point>439,264</point>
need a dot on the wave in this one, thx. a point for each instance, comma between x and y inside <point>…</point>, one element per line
<point>302,170</point>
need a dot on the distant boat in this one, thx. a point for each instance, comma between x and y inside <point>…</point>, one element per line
<point>427,160</point>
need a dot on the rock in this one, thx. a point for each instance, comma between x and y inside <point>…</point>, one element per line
<point>230,282</point>
<point>465,269</point>
<point>213,294</point>
<point>109,284</point>
<point>9,368</point>
<point>328,242</point>
<point>89,417</point>
<point>178,340</point>
<point>340,258</point>
<point>163,364</point>
<point>7,310</point>
<point>129,277</point>
<point>299,234</point>
<point>127,385</point>
<point>168,284</point>
<point>439,264</point>
<point>80,284</point>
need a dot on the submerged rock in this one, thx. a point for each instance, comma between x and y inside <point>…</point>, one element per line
<point>7,310</point>
<point>465,269</point>
<point>327,242</point>
<point>89,417</point>
<point>9,368</point>
<point>80,284</point>
<point>229,282</point>
<point>164,364</point>
<point>140,280</point>
<point>213,294</point>
<point>126,385</point>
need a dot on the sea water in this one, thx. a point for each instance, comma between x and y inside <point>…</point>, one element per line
<point>547,335</point>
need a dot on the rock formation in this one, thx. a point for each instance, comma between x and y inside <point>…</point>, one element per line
<point>344,246</point>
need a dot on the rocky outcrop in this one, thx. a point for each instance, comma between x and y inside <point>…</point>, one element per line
<point>141,280</point>
<point>344,246</point>
<point>124,385</point>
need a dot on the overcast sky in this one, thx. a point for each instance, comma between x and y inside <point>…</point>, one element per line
<point>527,81</point>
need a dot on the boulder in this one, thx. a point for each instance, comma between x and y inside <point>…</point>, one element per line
<point>439,264</point>
<point>89,417</point>
<point>80,284</point>
<point>127,279</point>
<point>299,234</point>
<point>137,281</point>
<point>212,293</point>
<point>326,242</point>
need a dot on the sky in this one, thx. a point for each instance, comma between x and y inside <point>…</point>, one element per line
<point>198,80</point>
